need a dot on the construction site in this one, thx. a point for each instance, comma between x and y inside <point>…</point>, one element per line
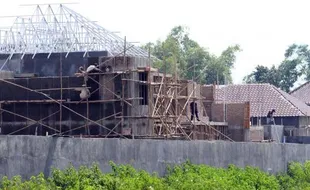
<point>63,75</point>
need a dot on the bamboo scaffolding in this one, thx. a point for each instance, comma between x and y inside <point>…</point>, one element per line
<point>62,102</point>
<point>57,89</point>
<point>87,101</point>
<point>28,101</point>
<point>174,112</point>
<point>123,92</point>
<point>225,136</point>
<point>165,110</point>
<point>188,99</point>
<point>34,122</point>
<point>1,118</point>
<point>105,83</point>
<point>120,122</point>
<point>25,88</point>
<point>96,121</point>
<point>111,91</point>
<point>163,104</point>
<point>61,90</point>
<point>24,117</point>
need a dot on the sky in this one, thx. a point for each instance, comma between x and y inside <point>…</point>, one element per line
<point>263,28</point>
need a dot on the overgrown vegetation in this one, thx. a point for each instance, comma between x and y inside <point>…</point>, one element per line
<point>184,176</point>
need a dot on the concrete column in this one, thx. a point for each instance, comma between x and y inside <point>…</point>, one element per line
<point>246,133</point>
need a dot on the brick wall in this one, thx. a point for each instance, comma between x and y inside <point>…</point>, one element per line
<point>190,89</point>
<point>234,113</point>
<point>207,91</point>
<point>208,108</point>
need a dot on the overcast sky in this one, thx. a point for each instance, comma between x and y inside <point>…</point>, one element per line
<point>263,28</point>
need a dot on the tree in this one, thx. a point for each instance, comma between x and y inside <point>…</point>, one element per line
<point>296,64</point>
<point>196,60</point>
<point>283,77</point>
<point>288,74</point>
<point>168,52</point>
<point>191,61</point>
<point>219,68</point>
<point>298,57</point>
<point>263,74</point>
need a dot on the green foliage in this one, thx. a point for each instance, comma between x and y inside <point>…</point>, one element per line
<point>180,177</point>
<point>219,68</point>
<point>296,64</point>
<point>263,74</point>
<point>178,53</point>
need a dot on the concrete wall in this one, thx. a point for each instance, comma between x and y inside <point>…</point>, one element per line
<point>30,155</point>
<point>298,139</point>
<point>44,66</point>
<point>274,132</point>
<point>117,63</point>
<point>301,131</point>
<point>256,134</point>
<point>304,121</point>
<point>286,121</point>
<point>238,133</point>
<point>241,134</point>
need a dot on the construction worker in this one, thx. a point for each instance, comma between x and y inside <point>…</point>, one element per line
<point>270,119</point>
<point>194,110</point>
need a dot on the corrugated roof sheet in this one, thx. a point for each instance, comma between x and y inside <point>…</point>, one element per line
<point>262,98</point>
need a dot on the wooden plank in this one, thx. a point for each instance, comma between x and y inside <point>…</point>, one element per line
<point>29,101</point>
<point>25,75</point>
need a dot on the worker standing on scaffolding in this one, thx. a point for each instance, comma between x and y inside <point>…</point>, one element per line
<point>194,110</point>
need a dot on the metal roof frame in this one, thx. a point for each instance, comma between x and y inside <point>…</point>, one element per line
<point>60,29</point>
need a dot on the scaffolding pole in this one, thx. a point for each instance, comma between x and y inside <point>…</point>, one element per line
<point>55,101</point>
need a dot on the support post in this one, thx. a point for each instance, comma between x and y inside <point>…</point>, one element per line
<point>0,118</point>
<point>150,94</point>
<point>123,88</point>
<point>87,115</point>
<point>60,105</point>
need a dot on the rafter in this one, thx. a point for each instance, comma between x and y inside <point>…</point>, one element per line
<point>60,29</point>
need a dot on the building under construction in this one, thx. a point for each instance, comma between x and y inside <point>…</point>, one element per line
<point>48,86</point>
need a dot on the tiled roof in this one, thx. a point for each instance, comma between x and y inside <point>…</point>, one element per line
<point>302,92</point>
<point>262,98</point>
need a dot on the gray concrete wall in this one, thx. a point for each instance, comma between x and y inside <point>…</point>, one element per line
<point>238,133</point>
<point>304,121</point>
<point>298,139</point>
<point>274,132</point>
<point>29,155</point>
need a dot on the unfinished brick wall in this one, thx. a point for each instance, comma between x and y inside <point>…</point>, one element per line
<point>237,117</point>
<point>207,108</point>
<point>207,91</point>
<point>235,113</point>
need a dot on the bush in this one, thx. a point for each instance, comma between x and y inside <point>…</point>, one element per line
<point>185,176</point>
